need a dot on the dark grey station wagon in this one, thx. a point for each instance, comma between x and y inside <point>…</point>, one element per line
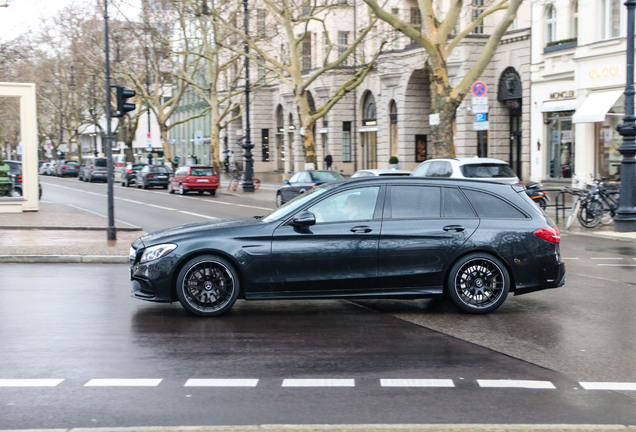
<point>473,242</point>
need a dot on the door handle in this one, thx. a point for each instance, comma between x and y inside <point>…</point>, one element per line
<point>456,228</point>
<point>361,229</point>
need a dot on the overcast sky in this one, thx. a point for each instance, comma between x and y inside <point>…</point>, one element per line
<point>22,16</point>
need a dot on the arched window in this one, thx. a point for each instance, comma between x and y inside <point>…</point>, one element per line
<point>368,110</point>
<point>550,24</point>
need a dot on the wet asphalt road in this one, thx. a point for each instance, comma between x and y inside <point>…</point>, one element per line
<point>78,325</point>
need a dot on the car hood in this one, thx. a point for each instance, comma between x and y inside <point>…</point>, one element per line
<point>197,229</point>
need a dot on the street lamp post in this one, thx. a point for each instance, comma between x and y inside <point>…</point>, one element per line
<point>625,219</point>
<point>248,184</point>
<point>111,231</point>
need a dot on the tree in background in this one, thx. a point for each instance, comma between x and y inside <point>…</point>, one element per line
<point>283,45</point>
<point>439,36</point>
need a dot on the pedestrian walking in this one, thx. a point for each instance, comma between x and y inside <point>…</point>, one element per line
<point>328,161</point>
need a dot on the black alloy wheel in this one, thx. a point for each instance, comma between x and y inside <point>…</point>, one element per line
<point>207,285</point>
<point>478,283</point>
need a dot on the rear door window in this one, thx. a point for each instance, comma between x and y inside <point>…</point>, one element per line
<point>415,202</point>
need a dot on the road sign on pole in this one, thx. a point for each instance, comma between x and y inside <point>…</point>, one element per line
<point>479,89</point>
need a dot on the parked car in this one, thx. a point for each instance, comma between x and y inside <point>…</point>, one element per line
<point>129,172</point>
<point>470,168</point>
<point>380,172</point>
<point>403,237</point>
<point>94,168</point>
<point>198,178</point>
<point>15,174</point>
<point>67,168</point>
<point>47,168</point>
<point>153,176</point>
<point>303,181</point>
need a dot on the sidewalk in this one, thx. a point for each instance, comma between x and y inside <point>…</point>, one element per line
<point>60,233</point>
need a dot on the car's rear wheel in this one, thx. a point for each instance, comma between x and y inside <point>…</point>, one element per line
<point>207,285</point>
<point>181,190</point>
<point>212,192</point>
<point>478,283</point>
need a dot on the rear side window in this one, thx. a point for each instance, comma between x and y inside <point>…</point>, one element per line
<point>440,169</point>
<point>492,207</point>
<point>487,171</point>
<point>415,202</point>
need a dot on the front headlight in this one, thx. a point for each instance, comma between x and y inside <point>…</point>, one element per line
<point>157,251</point>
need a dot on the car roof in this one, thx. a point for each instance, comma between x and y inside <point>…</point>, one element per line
<point>427,180</point>
<point>385,171</point>
<point>472,160</point>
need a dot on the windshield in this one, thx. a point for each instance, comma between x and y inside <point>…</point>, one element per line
<point>296,203</point>
<point>101,162</point>
<point>487,171</point>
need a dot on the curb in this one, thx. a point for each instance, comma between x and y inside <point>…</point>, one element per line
<point>64,259</point>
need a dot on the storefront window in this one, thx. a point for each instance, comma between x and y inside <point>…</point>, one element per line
<point>609,140</point>
<point>561,145</point>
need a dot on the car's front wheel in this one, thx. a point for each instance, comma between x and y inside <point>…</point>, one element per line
<point>478,283</point>
<point>279,199</point>
<point>170,189</point>
<point>207,285</point>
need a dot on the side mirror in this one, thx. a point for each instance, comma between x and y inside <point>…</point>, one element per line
<point>304,219</point>
<point>286,182</point>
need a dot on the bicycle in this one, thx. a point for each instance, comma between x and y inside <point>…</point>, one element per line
<point>238,177</point>
<point>581,194</point>
<point>598,204</point>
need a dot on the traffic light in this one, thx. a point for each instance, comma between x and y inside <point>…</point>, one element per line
<point>122,106</point>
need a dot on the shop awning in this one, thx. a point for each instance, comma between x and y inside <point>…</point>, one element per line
<point>596,106</point>
<point>558,105</point>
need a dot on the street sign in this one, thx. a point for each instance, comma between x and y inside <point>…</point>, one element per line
<point>480,109</point>
<point>481,126</point>
<point>480,117</point>
<point>479,89</point>
<point>198,137</point>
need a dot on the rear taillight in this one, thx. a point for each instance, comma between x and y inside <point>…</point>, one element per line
<point>150,175</point>
<point>130,171</point>
<point>550,234</point>
<point>19,178</point>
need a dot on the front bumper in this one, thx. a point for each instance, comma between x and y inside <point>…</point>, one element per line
<point>152,281</point>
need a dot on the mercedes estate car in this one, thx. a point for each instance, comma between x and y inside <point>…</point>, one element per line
<point>473,242</point>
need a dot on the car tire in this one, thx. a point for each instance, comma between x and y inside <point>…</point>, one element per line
<point>478,283</point>
<point>170,189</point>
<point>181,190</point>
<point>279,199</point>
<point>212,192</point>
<point>207,285</point>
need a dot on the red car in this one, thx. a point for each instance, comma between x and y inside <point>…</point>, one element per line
<point>199,178</point>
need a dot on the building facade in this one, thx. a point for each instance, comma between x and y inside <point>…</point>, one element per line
<point>389,113</point>
<point>577,84</point>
